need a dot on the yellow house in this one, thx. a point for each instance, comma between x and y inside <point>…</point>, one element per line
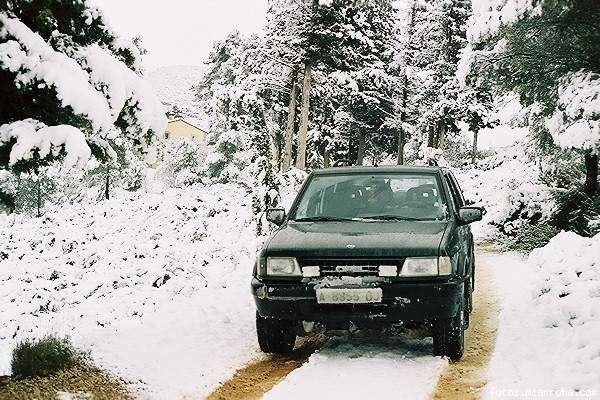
<point>181,128</point>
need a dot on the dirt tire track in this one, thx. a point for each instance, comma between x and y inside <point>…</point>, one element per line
<point>258,377</point>
<point>464,380</point>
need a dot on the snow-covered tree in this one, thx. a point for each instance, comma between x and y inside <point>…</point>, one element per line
<point>352,48</point>
<point>439,35</point>
<point>549,53</point>
<point>75,88</point>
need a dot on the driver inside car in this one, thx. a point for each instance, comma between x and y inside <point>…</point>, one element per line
<point>379,196</point>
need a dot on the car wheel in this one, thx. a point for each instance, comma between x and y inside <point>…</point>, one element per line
<point>275,335</point>
<point>449,335</point>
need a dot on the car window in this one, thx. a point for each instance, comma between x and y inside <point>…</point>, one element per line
<point>456,198</point>
<point>402,196</point>
<point>459,192</point>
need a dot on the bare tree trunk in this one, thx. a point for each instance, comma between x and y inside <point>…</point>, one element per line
<point>474,150</point>
<point>107,185</point>
<point>591,173</point>
<point>362,139</point>
<point>39,197</point>
<point>401,143</point>
<point>291,120</point>
<point>326,158</point>
<point>442,136</point>
<point>430,136</point>
<point>306,86</point>
<point>401,133</point>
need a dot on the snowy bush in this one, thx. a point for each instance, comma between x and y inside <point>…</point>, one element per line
<point>183,163</point>
<point>576,212</point>
<point>230,157</point>
<point>531,237</point>
<point>507,184</point>
<point>44,356</point>
<point>526,205</point>
<point>7,192</point>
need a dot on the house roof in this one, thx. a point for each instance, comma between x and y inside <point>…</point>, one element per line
<point>187,123</point>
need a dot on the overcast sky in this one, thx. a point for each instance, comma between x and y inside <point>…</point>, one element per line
<point>181,32</point>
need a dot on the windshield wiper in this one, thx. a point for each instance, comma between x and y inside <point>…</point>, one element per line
<point>393,218</point>
<point>325,218</point>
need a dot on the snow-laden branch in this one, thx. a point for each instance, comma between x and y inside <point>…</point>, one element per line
<point>91,81</point>
<point>30,136</point>
<point>490,15</point>
<point>576,121</point>
<point>34,61</point>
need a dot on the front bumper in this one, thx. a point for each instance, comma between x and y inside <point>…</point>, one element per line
<point>401,302</point>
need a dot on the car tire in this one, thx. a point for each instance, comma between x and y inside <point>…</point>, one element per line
<point>449,335</point>
<point>275,335</point>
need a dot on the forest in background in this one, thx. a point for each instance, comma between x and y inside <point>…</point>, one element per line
<point>326,83</point>
<point>400,82</point>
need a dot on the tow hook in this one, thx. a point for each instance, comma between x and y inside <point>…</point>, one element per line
<point>261,292</point>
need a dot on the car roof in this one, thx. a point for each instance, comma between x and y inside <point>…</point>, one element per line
<point>382,169</point>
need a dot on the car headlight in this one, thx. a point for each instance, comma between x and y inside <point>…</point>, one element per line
<point>426,266</point>
<point>283,266</point>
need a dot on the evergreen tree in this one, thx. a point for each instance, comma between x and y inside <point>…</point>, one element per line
<point>551,58</point>
<point>74,86</point>
<point>352,47</point>
<point>438,38</point>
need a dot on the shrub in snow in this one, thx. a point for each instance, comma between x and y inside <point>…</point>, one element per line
<point>531,237</point>
<point>527,205</point>
<point>44,356</point>
<point>576,211</point>
<point>183,162</point>
<point>230,158</point>
<point>7,192</point>
<point>507,184</point>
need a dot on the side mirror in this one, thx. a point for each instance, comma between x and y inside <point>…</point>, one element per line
<point>467,215</point>
<point>276,215</point>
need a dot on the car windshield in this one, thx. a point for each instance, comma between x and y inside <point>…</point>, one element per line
<point>386,197</point>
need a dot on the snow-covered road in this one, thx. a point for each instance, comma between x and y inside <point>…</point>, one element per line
<point>365,368</point>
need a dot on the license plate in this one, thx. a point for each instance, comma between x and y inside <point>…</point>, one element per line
<point>345,296</point>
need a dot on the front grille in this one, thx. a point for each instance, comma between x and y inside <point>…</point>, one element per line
<point>349,270</point>
<point>349,267</point>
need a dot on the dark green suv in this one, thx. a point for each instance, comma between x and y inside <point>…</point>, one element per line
<point>369,246</point>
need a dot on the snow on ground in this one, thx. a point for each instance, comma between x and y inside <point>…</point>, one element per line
<point>155,285</point>
<point>549,322</point>
<point>364,368</point>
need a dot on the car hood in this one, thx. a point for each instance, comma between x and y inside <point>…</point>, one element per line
<point>357,239</point>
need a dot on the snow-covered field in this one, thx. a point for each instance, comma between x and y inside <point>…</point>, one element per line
<point>155,285</point>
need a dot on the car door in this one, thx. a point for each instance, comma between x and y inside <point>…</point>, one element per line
<point>464,232</point>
